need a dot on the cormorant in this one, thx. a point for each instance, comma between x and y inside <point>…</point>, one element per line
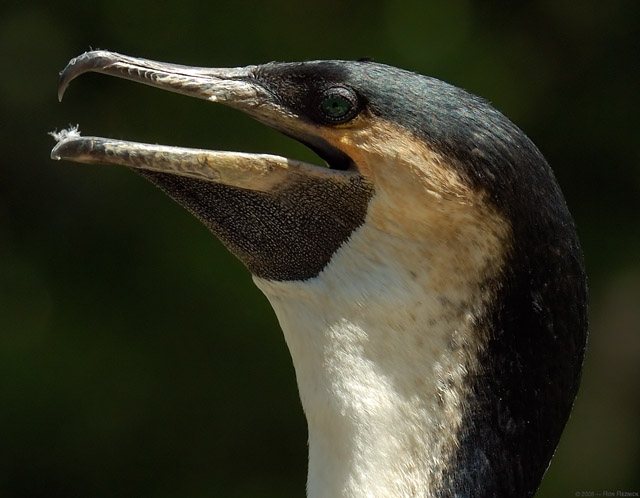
<point>429,282</point>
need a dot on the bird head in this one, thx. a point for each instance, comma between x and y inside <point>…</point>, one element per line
<point>380,130</point>
<point>428,278</point>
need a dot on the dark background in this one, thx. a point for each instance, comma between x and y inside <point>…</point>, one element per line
<point>137,359</point>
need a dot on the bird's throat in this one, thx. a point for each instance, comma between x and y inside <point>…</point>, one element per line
<point>383,355</point>
<point>382,421</point>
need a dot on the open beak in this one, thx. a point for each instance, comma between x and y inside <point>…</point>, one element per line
<point>282,218</point>
<point>234,87</point>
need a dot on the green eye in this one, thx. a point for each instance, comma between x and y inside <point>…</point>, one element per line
<point>338,105</point>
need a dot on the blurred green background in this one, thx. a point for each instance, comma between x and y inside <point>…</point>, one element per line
<point>137,359</point>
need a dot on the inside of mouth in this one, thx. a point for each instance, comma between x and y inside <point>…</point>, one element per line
<point>335,158</point>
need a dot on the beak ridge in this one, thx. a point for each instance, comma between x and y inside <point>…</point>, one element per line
<point>225,85</point>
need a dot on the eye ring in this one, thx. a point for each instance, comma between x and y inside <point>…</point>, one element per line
<point>338,105</point>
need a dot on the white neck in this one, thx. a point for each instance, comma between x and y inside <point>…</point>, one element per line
<point>376,424</point>
<point>381,354</point>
